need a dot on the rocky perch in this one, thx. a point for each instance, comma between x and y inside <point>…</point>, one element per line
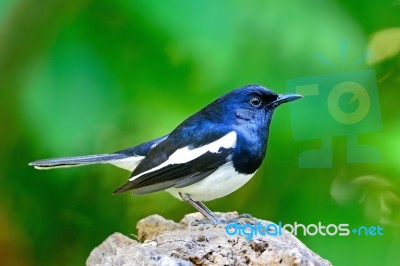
<point>194,241</point>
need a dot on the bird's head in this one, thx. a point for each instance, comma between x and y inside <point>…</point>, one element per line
<point>254,102</point>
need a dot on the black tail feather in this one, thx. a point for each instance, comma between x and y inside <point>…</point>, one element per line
<point>77,161</point>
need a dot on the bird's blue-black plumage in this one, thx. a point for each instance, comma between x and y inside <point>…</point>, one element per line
<point>231,112</point>
<point>142,149</point>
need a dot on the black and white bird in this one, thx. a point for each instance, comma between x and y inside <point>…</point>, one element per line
<point>209,155</point>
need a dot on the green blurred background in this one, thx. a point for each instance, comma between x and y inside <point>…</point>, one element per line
<point>82,77</point>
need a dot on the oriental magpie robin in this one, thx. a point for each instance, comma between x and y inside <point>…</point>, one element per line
<point>209,155</point>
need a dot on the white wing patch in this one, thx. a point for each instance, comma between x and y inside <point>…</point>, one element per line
<point>185,154</point>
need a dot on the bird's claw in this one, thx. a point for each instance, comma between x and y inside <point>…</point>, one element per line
<point>235,219</point>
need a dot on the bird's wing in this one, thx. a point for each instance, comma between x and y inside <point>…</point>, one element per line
<point>174,164</point>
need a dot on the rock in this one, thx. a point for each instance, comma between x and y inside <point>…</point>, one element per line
<point>194,241</point>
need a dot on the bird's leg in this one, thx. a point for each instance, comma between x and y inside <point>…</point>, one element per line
<point>198,205</point>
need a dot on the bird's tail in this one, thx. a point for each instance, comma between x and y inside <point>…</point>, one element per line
<point>78,161</point>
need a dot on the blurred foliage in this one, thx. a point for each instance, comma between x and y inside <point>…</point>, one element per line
<point>82,77</point>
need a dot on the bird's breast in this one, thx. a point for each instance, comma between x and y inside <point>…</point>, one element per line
<point>250,151</point>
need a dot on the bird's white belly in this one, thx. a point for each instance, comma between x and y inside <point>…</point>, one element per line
<point>222,182</point>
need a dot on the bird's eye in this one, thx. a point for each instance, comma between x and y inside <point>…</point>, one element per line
<point>255,101</point>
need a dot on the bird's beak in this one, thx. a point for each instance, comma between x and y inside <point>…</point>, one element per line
<point>284,98</point>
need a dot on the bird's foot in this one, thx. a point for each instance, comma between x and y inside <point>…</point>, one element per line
<point>247,217</point>
<point>204,225</point>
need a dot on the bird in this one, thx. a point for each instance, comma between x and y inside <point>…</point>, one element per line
<point>208,156</point>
